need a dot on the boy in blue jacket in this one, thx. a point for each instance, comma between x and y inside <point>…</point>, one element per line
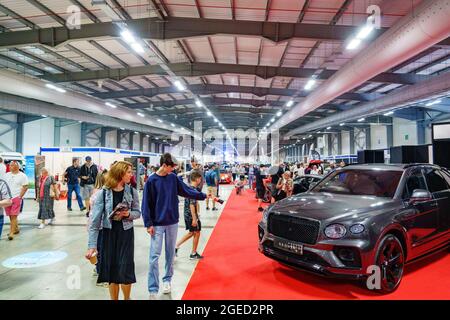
<point>160,214</point>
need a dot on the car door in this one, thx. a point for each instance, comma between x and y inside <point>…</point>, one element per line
<point>439,188</point>
<point>421,218</point>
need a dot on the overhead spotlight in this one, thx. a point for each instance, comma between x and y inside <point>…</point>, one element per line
<point>141,114</point>
<point>328,128</point>
<point>160,121</point>
<point>172,125</point>
<point>147,136</point>
<point>279,113</point>
<point>341,124</point>
<point>209,113</point>
<point>110,105</point>
<point>290,103</point>
<point>353,44</point>
<point>122,129</point>
<point>179,85</point>
<point>365,31</point>
<point>127,36</point>
<point>310,84</point>
<point>136,132</point>
<point>137,47</point>
<point>53,87</point>
<point>44,116</point>
<point>388,113</point>
<point>198,103</point>
<point>215,120</point>
<point>361,120</point>
<point>310,136</point>
<point>272,120</point>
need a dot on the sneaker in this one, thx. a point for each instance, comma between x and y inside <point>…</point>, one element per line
<point>214,209</point>
<point>207,208</point>
<point>166,287</point>
<point>41,226</point>
<point>69,209</point>
<point>51,221</point>
<point>195,256</point>
<point>82,209</point>
<point>153,296</point>
<point>260,209</point>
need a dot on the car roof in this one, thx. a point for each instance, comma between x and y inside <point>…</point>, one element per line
<point>388,166</point>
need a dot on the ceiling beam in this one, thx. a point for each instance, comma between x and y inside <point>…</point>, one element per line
<point>216,89</point>
<point>17,17</point>
<point>198,69</point>
<point>177,28</point>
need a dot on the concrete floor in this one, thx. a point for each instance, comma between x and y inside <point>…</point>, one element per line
<point>72,278</point>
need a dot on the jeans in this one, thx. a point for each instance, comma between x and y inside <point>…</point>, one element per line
<point>170,233</point>
<point>251,178</point>
<point>76,188</point>
<point>2,217</point>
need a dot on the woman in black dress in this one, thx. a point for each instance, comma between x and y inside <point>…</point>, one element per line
<point>114,210</point>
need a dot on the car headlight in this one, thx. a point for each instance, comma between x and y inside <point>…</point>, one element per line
<point>265,215</point>
<point>335,231</point>
<point>357,228</point>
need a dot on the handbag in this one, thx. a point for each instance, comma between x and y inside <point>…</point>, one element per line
<point>54,195</point>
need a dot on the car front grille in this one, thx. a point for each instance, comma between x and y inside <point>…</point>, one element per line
<point>294,228</point>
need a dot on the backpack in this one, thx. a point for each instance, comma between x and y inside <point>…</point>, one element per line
<point>210,181</point>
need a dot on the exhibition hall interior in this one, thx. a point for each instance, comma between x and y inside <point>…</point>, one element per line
<point>224,149</point>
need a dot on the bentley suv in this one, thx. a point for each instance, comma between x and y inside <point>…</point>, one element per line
<point>362,218</point>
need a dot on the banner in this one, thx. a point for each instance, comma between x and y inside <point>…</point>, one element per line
<point>30,173</point>
<point>39,163</point>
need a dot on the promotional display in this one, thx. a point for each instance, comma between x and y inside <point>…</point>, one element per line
<point>30,172</point>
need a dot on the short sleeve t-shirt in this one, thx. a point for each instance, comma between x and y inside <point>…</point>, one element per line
<point>15,182</point>
<point>4,193</point>
<point>187,208</point>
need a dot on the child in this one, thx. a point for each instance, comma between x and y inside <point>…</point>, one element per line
<point>240,184</point>
<point>192,219</point>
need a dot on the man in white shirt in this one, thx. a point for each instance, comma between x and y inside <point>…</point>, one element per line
<point>2,169</point>
<point>18,184</point>
<point>299,170</point>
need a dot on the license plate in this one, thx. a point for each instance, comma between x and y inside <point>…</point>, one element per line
<point>289,246</point>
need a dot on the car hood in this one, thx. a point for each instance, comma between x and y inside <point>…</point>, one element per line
<point>329,206</point>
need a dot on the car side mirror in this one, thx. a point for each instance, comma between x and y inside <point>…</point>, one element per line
<point>420,195</point>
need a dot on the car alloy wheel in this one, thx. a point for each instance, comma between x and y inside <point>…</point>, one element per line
<point>391,260</point>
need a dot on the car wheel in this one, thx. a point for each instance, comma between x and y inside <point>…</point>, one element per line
<point>391,261</point>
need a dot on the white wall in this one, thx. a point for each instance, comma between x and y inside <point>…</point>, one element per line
<point>37,134</point>
<point>428,139</point>
<point>345,141</point>
<point>70,135</point>
<point>8,139</point>
<point>378,137</point>
<point>111,139</point>
<point>136,143</point>
<point>145,146</point>
<point>405,132</point>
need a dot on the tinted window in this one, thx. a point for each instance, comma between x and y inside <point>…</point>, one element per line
<point>413,182</point>
<point>435,181</point>
<point>446,176</point>
<point>379,183</point>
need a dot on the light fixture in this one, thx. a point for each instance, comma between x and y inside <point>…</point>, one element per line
<point>304,138</point>
<point>310,136</point>
<point>361,120</point>
<point>172,125</point>
<point>429,104</point>
<point>137,47</point>
<point>80,121</point>
<point>128,36</point>
<point>110,105</point>
<point>53,87</point>
<point>160,121</point>
<point>290,103</point>
<point>272,120</point>
<point>365,31</point>
<point>136,132</point>
<point>388,113</point>
<point>341,124</point>
<point>147,136</point>
<point>328,128</point>
<point>310,84</point>
<point>156,138</point>
<point>353,44</point>
<point>209,113</point>
<point>141,114</point>
<point>44,116</point>
<point>279,113</point>
<point>179,85</point>
<point>215,120</point>
<point>198,103</point>
<point>122,129</point>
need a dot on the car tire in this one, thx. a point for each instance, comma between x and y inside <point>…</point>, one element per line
<point>390,259</point>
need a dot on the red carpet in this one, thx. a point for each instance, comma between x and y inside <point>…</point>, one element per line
<point>233,268</point>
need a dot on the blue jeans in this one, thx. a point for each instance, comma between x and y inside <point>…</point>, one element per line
<point>170,233</point>
<point>2,217</point>
<point>76,188</point>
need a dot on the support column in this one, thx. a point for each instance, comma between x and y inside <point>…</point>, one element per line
<point>57,133</point>
<point>339,142</point>
<point>19,132</point>
<point>84,130</point>
<point>421,128</point>
<point>118,135</point>
<point>103,132</point>
<point>352,140</point>
<point>368,137</point>
<point>390,135</point>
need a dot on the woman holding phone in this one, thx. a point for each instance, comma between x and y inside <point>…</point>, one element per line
<point>114,210</point>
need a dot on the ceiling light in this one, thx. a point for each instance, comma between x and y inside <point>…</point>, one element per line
<point>310,84</point>
<point>353,44</point>
<point>290,103</point>
<point>328,128</point>
<point>43,116</point>
<point>388,113</point>
<point>198,103</point>
<point>179,85</point>
<point>172,125</point>
<point>209,113</point>
<point>110,105</point>
<point>141,114</point>
<point>160,121</point>
<point>304,138</point>
<point>156,138</point>
<point>310,136</point>
<point>122,129</point>
<point>429,104</point>
<point>128,36</point>
<point>51,86</point>
<point>272,120</point>
<point>365,31</point>
<point>215,120</point>
<point>361,120</point>
<point>341,124</point>
<point>137,47</point>
<point>147,136</point>
<point>279,113</point>
<point>136,132</point>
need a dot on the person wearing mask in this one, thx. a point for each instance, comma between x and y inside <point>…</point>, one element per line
<point>88,175</point>
<point>192,219</point>
<point>47,186</point>
<point>2,169</point>
<point>5,201</point>
<point>212,180</point>
<point>18,184</point>
<point>160,213</point>
<point>72,176</point>
<point>114,210</point>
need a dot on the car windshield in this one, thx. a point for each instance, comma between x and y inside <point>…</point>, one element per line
<point>378,183</point>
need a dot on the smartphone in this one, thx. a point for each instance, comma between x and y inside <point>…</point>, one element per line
<point>119,207</point>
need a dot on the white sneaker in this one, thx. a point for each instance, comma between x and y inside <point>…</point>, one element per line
<point>153,296</point>
<point>50,222</point>
<point>41,226</point>
<point>166,287</point>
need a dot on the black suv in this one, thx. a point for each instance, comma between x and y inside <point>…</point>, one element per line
<point>362,216</point>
